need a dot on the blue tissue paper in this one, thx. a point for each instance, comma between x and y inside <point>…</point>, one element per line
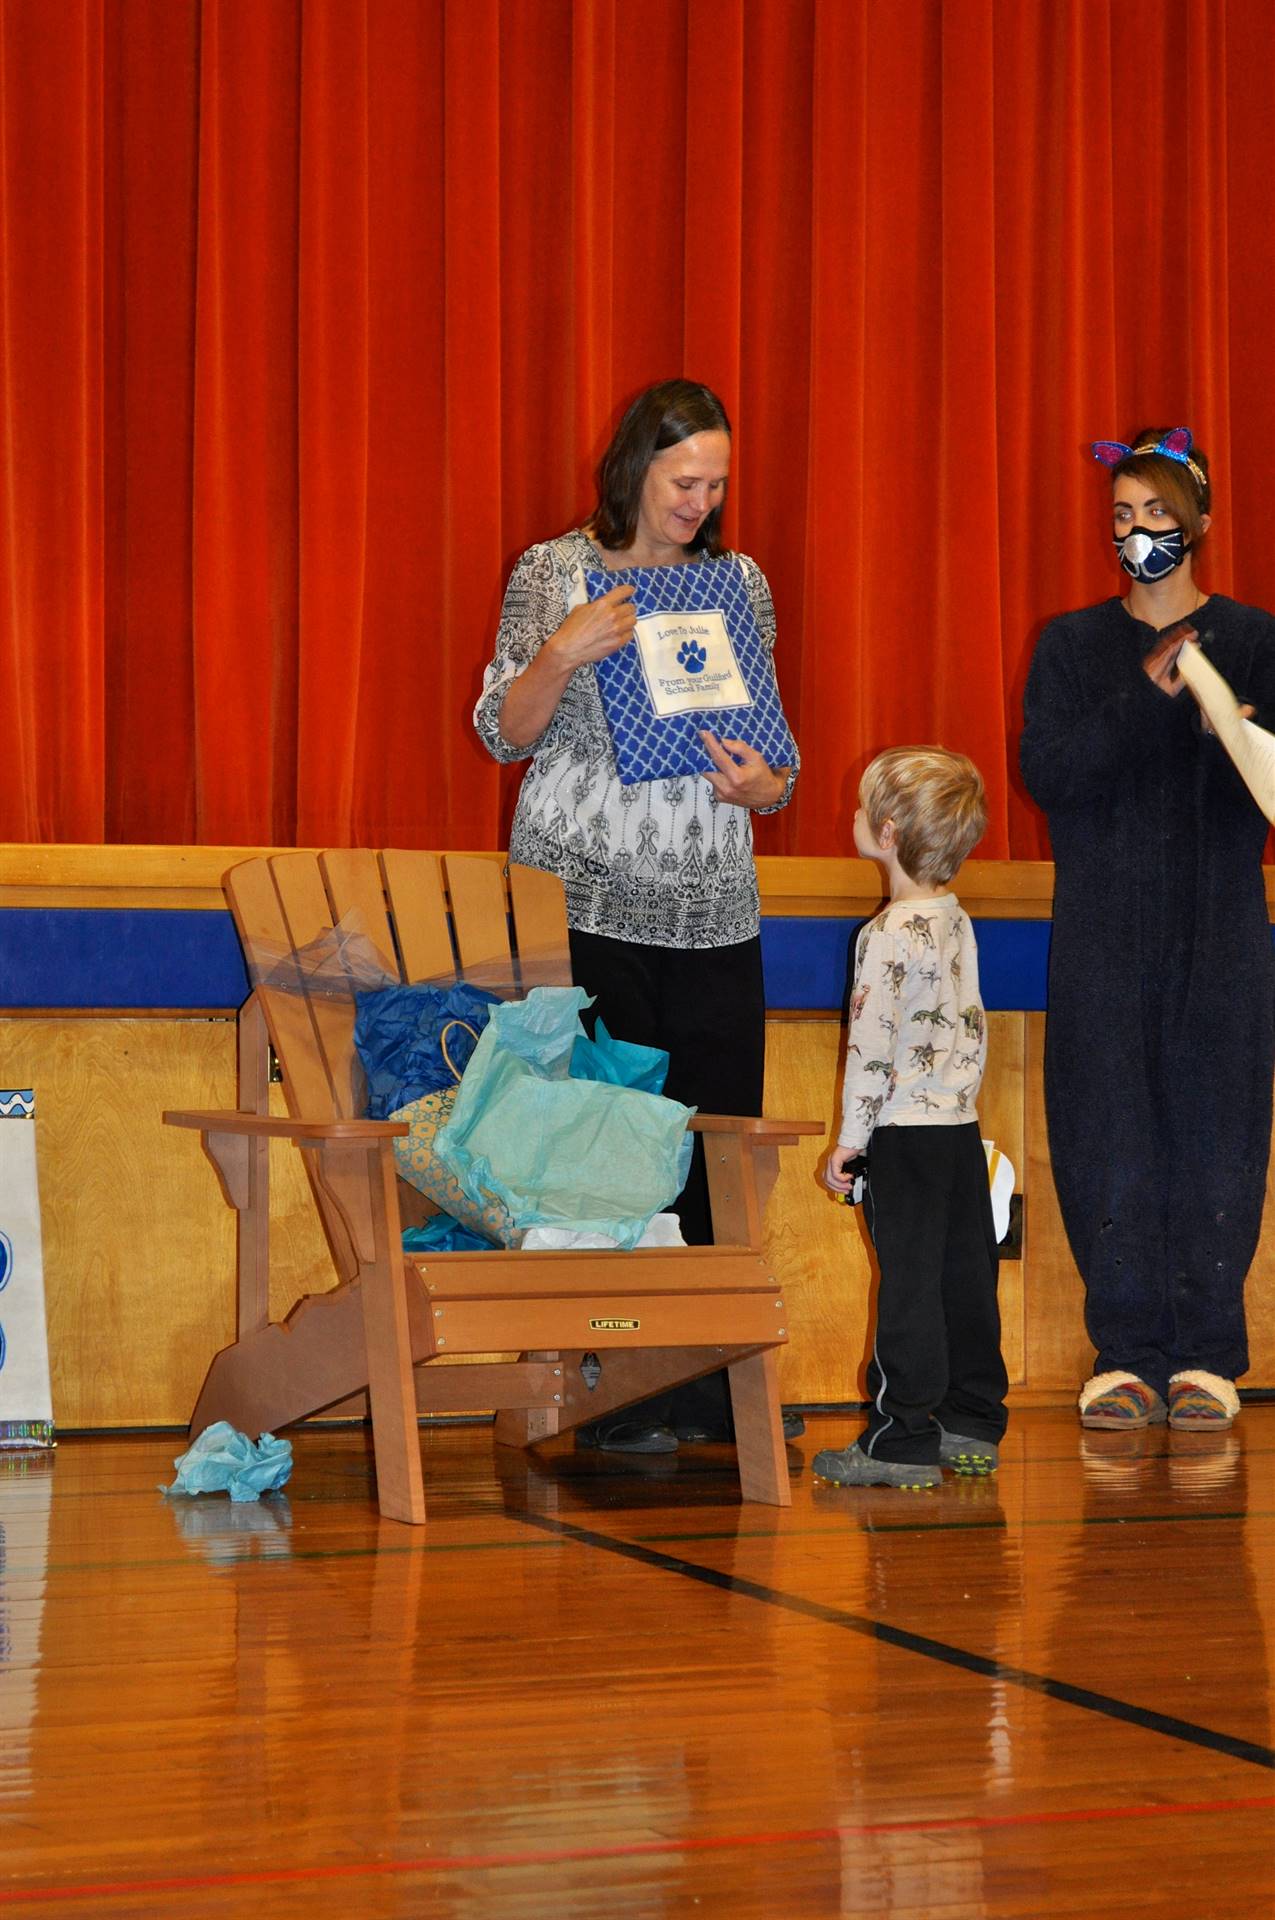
<point>223,1460</point>
<point>442,1234</point>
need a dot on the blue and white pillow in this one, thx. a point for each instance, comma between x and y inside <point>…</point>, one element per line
<point>697,660</point>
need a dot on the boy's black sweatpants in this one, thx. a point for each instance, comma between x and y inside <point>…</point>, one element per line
<point>936,1356</point>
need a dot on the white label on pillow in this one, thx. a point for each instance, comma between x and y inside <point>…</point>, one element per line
<point>688,662</point>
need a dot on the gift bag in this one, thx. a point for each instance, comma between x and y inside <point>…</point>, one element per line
<point>397,1036</point>
<point>553,1150</point>
<point>418,1162</point>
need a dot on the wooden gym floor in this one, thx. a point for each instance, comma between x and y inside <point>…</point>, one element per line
<point>596,1689</point>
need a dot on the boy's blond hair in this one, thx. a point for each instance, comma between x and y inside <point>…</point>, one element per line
<point>936,801</point>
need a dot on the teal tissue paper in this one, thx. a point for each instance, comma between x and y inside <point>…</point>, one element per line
<point>223,1460</point>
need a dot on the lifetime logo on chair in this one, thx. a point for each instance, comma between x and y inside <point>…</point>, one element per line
<point>614,1326</point>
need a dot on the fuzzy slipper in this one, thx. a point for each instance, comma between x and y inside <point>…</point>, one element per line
<point>1120,1400</point>
<point>1201,1402</point>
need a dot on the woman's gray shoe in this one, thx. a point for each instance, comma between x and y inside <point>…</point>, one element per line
<point>963,1455</point>
<point>851,1467</point>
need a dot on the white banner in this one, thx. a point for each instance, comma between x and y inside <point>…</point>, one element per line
<point>26,1406</point>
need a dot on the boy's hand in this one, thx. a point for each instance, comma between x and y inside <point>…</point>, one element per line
<point>842,1167</point>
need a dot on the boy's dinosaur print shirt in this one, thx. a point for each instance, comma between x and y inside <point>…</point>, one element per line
<point>917,1039</point>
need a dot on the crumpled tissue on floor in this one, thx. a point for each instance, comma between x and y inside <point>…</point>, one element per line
<point>223,1460</point>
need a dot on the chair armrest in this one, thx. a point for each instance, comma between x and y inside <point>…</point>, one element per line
<point>282,1128</point>
<point>758,1132</point>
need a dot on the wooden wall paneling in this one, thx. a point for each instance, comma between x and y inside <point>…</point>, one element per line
<point>816,884</point>
<point>1059,1355</point>
<point>43,874</point>
<point>139,1246</point>
<point>1001,1112</point>
<point>35,874</point>
<point>1260,1297</point>
<point>819,1246</point>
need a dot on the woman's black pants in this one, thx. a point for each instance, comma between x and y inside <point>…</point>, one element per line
<point>707,1008</point>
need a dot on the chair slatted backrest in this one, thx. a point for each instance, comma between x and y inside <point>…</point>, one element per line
<point>420,913</point>
<point>518,937</point>
<point>480,916</point>
<point>303,896</point>
<point>356,893</point>
<point>414,883</point>
<point>277,906</point>
<point>417,911</point>
<point>266,938</point>
<point>540,928</point>
<point>452,917</point>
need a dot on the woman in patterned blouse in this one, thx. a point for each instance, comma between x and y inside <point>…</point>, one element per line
<point>660,884</point>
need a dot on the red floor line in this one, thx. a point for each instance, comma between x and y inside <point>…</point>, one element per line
<point>558,1856</point>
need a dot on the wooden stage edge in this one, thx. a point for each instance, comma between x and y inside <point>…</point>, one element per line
<point>38,875</point>
<point>48,875</point>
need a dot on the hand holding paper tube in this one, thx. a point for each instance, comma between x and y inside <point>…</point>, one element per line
<point>1161,664</point>
<point>1250,747</point>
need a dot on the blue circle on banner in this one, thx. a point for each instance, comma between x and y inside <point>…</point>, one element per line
<point>6,1259</point>
<point>2,1348</point>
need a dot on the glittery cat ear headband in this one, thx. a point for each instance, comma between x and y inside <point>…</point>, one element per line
<point>1176,445</point>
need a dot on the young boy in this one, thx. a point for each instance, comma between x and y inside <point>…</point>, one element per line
<point>914,1061</point>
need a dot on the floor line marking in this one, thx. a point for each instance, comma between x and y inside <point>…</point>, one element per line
<point>1248,1751</point>
<point>630,1849</point>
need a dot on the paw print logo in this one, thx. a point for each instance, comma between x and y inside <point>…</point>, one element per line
<point>692,656</point>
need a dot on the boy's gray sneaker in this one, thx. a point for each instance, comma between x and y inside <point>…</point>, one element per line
<point>852,1467</point>
<point>963,1455</point>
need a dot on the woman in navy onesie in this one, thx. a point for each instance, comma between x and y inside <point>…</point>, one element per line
<point>1161,1033</point>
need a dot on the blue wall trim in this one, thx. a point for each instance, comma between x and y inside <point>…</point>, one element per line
<point>119,957</point>
<point>805,961</point>
<point>186,957</point>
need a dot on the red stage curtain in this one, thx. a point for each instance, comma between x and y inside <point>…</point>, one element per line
<point>313,313</point>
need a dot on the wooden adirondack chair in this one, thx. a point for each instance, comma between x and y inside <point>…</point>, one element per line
<point>654,1317</point>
